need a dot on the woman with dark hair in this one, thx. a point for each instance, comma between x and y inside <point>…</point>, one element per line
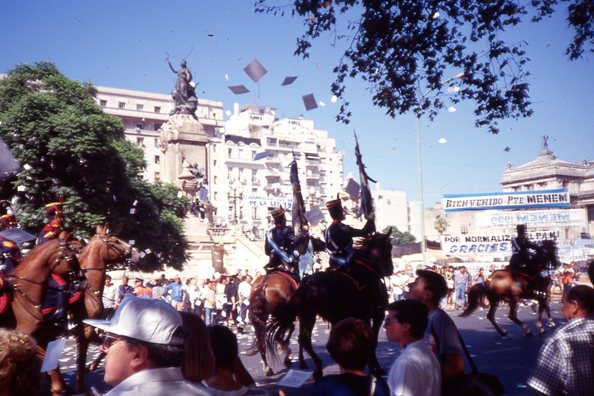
<point>351,345</point>
<point>230,376</point>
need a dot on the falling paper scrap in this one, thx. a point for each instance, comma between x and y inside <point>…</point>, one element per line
<point>255,70</point>
<point>289,80</point>
<point>238,89</point>
<point>310,102</point>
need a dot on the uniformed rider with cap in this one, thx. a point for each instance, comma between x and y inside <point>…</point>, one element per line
<point>339,236</point>
<point>520,259</point>
<point>281,242</point>
<point>51,230</point>
<point>10,253</point>
<point>57,292</point>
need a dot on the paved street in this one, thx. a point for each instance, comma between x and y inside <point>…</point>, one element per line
<point>511,357</point>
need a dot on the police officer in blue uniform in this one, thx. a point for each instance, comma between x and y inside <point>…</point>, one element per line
<point>281,242</point>
<point>339,236</point>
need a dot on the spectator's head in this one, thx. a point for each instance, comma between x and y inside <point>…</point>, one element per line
<point>429,288</point>
<point>578,302</point>
<point>19,364</point>
<point>138,282</point>
<point>406,321</point>
<point>125,280</point>
<point>142,334</point>
<point>351,344</point>
<point>199,360</point>
<point>107,280</point>
<point>224,347</point>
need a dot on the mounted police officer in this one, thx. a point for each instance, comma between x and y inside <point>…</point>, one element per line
<point>280,243</point>
<point>339,236</point>
<point>51,230</point>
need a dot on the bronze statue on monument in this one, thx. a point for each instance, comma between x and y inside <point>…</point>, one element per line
<point>184,95</point>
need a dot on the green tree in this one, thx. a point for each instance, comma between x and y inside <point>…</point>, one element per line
<point>405,48</point>
<point>441,224</point>
<point>70,148</point>
<point>398,237</point>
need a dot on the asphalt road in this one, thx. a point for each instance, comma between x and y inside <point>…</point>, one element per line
<point>511,358</point>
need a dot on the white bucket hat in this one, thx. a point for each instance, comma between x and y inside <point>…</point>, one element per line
<point>152,321</point>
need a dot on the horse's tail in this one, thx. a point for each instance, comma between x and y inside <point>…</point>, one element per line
<point>475,296</point>
<point>280,325</point>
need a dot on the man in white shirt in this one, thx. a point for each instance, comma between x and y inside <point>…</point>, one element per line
<point>243,292</point>
<point>416,372</point>
<point>144,347</point>
<point>110,295</point>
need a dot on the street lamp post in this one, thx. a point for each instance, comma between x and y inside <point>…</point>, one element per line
<point>235,197</point>
<point>420,165</point>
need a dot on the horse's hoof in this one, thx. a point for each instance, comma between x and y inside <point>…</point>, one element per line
<point>317,374</point>
<point>269,372</point>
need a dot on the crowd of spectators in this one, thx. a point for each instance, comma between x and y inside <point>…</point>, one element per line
<point>221,299</point>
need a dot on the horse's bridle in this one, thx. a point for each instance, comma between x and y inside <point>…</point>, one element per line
<point>110,246</point>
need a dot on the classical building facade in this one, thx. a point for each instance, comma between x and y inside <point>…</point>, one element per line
<point>249,166</point>
<point>143,115</point>
<point>571,226</point>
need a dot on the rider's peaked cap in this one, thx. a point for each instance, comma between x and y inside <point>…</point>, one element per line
<point>334,208</point>
<point>278,214</point>
<point>521,228</point>
<point>152,321</point>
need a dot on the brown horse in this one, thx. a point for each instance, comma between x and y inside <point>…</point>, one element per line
<point>503,286</point>
<point>28,284</point>
<point>271,297</point>
<point>101,251</point>
<point>336,295</point>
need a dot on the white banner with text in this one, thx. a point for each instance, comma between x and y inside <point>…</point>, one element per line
<point>534,199</point>
<point>532,218</point>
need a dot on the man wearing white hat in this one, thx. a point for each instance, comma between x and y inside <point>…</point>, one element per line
<point>144,346</point>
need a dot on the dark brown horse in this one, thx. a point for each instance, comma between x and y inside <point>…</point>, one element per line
<point>503,286</point>
<point>271,297</point>
<point>336,295</point>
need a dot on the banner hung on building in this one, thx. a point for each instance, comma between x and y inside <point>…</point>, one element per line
<point>532,218</point>
<point>271,202</point>
<point>497,244</point>
<point>534,199</point>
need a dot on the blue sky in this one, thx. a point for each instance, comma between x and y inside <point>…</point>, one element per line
<point>124,44</point>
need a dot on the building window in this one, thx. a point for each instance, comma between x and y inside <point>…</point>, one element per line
<point>139,107</point>
<point>214,179</point>
<point>156,141</point>
<point>158,125</point>
<point>157,159</point>
<point>140,141</point>
<point>103,103</point>
<point>229,152</point>
<point>214,163</point>
<point>157,176</point>
<point>140,126</point>
<point>157,109</point>
<point>121,105</point>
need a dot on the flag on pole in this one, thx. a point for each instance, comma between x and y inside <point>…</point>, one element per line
<point>298,209</point>
<point>366,205</point>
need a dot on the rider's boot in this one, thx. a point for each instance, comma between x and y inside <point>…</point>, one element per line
<point>61,310</point>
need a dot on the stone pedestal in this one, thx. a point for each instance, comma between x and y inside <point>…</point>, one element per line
<point>182,137</point>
